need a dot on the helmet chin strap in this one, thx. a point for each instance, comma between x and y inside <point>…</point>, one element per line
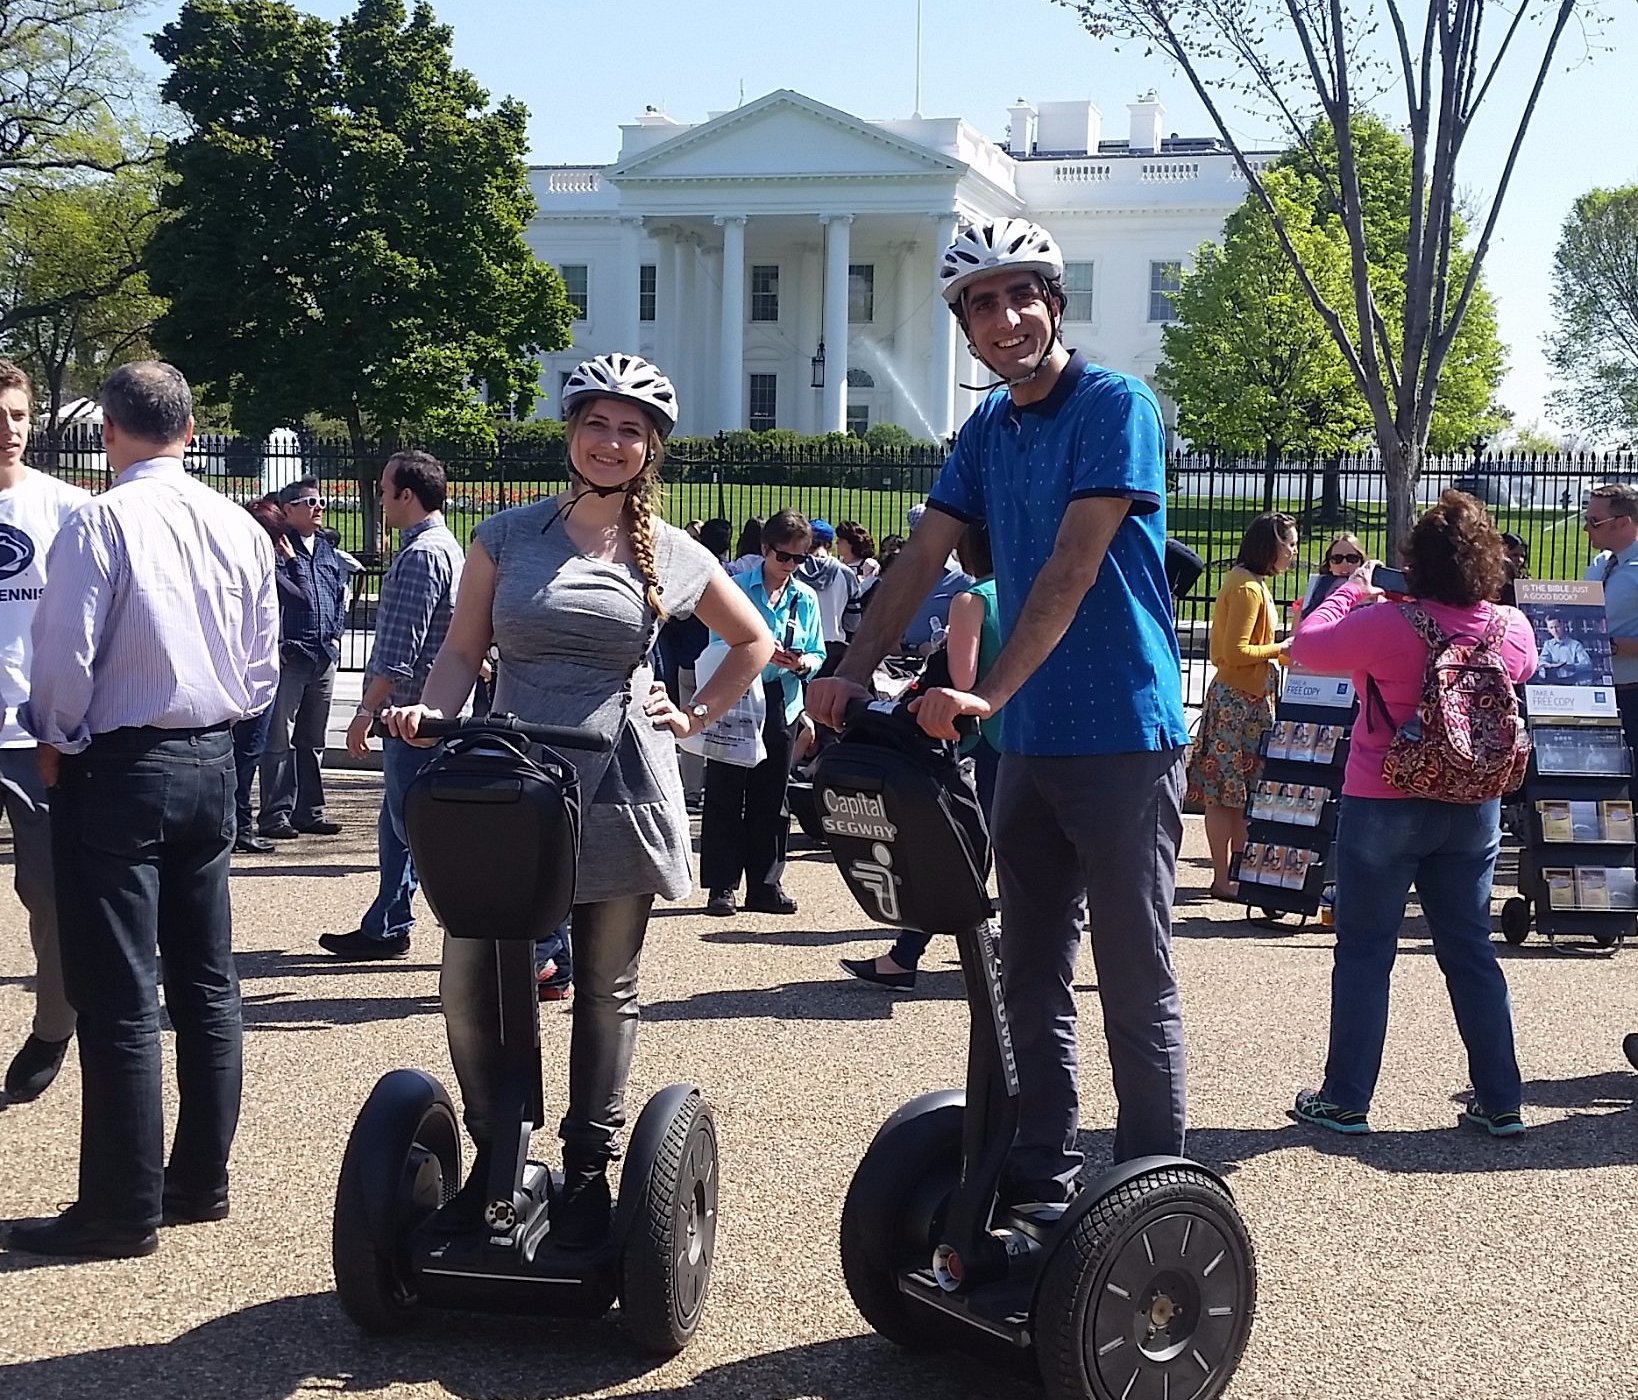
<point>622,488</point>
<point>1000,379</point>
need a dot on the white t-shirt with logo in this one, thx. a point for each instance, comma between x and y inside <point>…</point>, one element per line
<point>31,513</point>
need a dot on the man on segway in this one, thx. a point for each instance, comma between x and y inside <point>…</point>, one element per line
<point>1066,466</point>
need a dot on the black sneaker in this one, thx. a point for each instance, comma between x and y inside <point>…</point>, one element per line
<point>1629,1048</point>
<point>359,946</point>
<point>33,1068</point>
<point>76,1235</point>
<point>1507,1124</point>
<point>721,904</point>
<point>1313,1108</point>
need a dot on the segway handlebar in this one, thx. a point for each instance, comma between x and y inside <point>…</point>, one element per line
<point>557,736</point>
<point>899,710</point>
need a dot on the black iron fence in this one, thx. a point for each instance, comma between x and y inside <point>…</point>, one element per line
<point>1210,500</point>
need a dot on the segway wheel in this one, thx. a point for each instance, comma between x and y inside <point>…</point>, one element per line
<point>1515,920</point>
<point>666,1267</point>
<point>1629,1048</point>
<point>403,1160</point>
<point>901,1184</point>
<point>1150,1296</point>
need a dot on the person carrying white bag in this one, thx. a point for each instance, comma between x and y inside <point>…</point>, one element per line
<point>746,821</point>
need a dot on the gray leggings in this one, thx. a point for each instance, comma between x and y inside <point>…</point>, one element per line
<point>608,942</point>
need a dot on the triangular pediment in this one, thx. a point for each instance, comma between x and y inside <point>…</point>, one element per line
<point>784,135</point>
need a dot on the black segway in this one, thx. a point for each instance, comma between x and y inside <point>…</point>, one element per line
<point>1143,1287</point>
<point>494,829</point>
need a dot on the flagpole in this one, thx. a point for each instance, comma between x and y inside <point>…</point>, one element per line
<point>918,60</point>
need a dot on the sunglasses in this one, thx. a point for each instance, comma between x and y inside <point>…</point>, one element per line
<point>1347,558</point>
<point>1592,522</point>
<point>316,502</point>
<point>784,557</point>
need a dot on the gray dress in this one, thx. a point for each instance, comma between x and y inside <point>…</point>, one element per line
<point>574,636</point>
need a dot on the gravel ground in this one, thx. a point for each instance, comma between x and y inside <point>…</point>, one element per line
<point>1419,1261</point>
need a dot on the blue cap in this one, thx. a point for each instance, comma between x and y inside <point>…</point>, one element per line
<point>823,531</point>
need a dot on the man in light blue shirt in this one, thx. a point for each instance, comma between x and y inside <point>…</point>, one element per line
<point>157,631</point>
<point>1611,523</point>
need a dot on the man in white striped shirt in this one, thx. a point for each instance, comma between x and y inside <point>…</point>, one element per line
<point>158,629</point>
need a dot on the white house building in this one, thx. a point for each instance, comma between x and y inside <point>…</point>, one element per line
<point>778,261</point>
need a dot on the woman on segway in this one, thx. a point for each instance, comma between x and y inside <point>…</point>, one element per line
<point>573,590</point>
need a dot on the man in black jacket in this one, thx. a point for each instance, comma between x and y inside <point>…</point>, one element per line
<point>311,618</point>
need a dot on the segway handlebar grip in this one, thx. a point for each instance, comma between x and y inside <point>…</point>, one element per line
<point>965,725</point>
<point>557,736</point>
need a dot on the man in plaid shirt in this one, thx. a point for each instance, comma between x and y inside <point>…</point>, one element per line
<point>411,621</point>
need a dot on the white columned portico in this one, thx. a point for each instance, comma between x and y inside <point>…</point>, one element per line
<point>941,363</point>
<point>689,359</point>
<point>628,329</point>
<point>732,365</point>
<point>833,405</point>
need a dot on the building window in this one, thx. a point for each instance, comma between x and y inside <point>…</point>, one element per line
<point>647,282</point>
<point>576,284</point>
<point>1164,279</point>
<point>858,419</point>
<point>861,293</point>
<point>1078,291</point>
<point>765,292</point>
<point>860,378</point>
<point>764,402</point>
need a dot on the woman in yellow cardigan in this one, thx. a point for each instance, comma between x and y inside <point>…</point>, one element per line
<point>1240,701</point>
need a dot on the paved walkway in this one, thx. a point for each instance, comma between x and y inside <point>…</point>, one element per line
<point>1421,1261</point>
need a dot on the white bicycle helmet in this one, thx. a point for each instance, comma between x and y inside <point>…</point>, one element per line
<point>627,377</point>
<point>995,247</point>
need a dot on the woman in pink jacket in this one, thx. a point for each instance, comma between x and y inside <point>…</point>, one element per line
<point>1387,840</point>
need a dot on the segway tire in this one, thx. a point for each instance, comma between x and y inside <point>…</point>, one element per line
<point>1151,1294</point>
<point>901,1183</point>
<point>672,1241</point>
<point>403,1160</point>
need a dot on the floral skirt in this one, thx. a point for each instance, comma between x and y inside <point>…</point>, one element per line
<point>1225,764</point>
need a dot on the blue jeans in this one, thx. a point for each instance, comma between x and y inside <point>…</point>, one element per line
<point>142,834</point>
<point>292,777</point>
<point>249,743</point>
<point>390,916</point>
<point>1448,850</point>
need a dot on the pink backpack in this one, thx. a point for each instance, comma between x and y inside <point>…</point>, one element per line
<point>1466,742</point>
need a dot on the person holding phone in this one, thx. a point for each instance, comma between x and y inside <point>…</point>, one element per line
<point>1342,556</point>
<point>746,822</point>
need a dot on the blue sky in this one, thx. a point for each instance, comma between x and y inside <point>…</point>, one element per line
<point>580,82</point>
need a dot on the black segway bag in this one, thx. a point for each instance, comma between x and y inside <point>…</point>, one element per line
<point>900,814</point>
<point>493,825</point>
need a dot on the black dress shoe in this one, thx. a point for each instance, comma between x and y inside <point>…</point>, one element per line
<point>320,828</point>
<point>359,946</point>
<point>253,845</point>
<point>865,970</point>
<point>280,831</point>
<point>721,904</point>
<point>33,1068</point>
<point>184,1209</point>
<point>75,1235</point>
<point>768,899</point>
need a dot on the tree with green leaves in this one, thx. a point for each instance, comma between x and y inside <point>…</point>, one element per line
<point>346,230</point>
<point>1593,347</point>
<point>1455,65</point>
<point>70,103</point>
<point>76,253</point>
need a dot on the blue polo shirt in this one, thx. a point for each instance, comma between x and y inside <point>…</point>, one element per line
<point>795,624</point>
<point>1113,684</point>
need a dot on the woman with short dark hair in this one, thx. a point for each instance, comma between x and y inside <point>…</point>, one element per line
<point>1224,763</point>
<point>1388,840</point>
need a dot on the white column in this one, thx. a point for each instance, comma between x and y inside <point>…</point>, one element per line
<point>833,406</point>
<point>708,328</point>
<point>628,329</point>
<point>688,354</point>
<point>732,363</point>
<point>941,363</point>
<point>805,397</point>
<point>908,290</point>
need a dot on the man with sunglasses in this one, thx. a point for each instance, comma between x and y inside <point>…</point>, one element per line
<point>311,617</point>
<point>1065,464</point>
<point>1611,523</point>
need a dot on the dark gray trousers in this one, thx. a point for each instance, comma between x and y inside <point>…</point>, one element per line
<point>1100,833</point>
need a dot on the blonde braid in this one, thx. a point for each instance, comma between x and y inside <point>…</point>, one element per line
<point>643,502</point>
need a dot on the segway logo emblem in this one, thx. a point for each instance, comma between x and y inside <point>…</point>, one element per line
<point>857,814</point>
<point>876,875</point>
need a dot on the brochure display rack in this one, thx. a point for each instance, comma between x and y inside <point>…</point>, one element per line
<point>1574,815</point>
<point>1291,818</point>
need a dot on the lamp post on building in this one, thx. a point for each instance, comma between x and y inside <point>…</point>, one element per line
<point>816,377</point>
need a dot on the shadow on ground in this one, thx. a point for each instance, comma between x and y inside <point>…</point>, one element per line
<point>277,1349</point>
